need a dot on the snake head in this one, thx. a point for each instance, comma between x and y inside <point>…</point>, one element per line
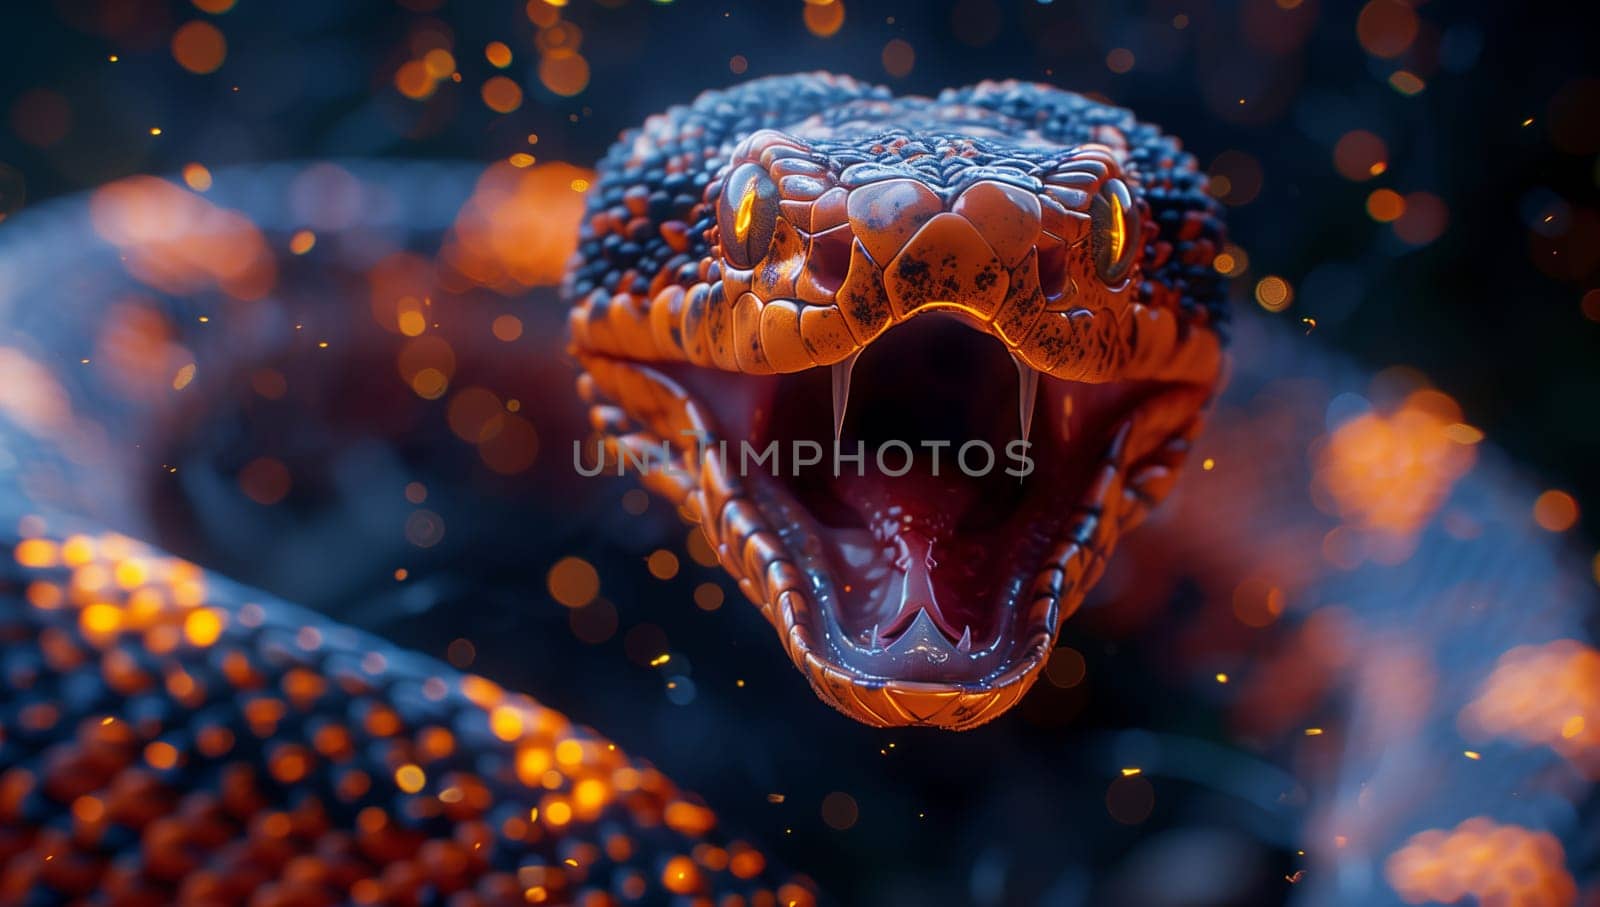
<point>932,361</point>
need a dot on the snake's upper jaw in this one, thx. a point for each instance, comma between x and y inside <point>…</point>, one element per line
<point>918,577</point>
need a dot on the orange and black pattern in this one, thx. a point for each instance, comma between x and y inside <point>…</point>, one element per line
<point>854,174</point>
<point>169,737</point>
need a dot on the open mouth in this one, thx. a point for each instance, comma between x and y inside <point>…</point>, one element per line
<point>934,377</point>
<point>925,534</point>
<point>888,514</point>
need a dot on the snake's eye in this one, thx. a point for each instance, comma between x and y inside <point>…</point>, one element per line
<point>746,215</point>
<point>1116,235</point>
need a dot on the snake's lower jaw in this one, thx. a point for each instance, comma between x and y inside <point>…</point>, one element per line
<point>928,595</point>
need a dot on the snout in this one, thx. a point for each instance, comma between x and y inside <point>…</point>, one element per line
<point>976,253</point>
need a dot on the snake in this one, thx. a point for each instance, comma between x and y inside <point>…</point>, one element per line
<point>798,264</point>
<point>745,257</point>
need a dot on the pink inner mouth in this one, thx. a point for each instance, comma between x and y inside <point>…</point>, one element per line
<point>917,574</point>
<point>959,545</point>
<point>914,555</point>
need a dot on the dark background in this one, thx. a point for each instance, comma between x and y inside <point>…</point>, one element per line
<point>1491,308</point>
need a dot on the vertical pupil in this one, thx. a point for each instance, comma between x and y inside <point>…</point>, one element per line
<point>747,207</point>
<point>1118,237</point>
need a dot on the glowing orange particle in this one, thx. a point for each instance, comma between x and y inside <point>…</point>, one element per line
<point>1491,863</point>
<point>410,778</point>
<point>302,242</point>
<point>502,94</point>
<point>199,47</point>
<point>100,619</point>
<point>558,812</point>
<point>1406,82</point>
<point>519,228</point>
<point>708,596</point>
<point>289,765</point>
<point>1390,472</point>
<point>1386,28</point>
<point>36,553</point>
<point>898,57</point>
<point>203,626</point>
<point>411,322</point>
<point>560,39</point>
<point>573,582</point>
<point>566,75</point>
<point>680,875</point>
<point>180,243</point>
<point>1385,205</point>
<point>747,863</point>
<point>543,13</point>
<point>824,19</point>
<point>569,753</point>
<point>264,480</point>
<point>1273,293</point>
<point>1589,305</point>
<point>88,809</point>
<point>506,722</point>
<point>498,54</point>
<point>196,177</point>
<point>589,795</point>
<point>413,81</point>
<point>439,62</point>
<point>1544,694</point>
<point>839,811</point>
<point>1555,511</point>
<point>663,564</point>
<point>1360,155</point>
<point>506,328</point>
<point>214,7</point>
<point>430,383</point>
<point>161,755</point>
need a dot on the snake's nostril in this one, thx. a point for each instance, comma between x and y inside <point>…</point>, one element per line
<point>829,258</point>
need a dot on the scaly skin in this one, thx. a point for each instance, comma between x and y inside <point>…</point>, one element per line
<point>992,205</point>
<point>168,736</point>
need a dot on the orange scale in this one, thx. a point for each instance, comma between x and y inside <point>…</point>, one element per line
<point>1006,216</point>
<point>947,263</point>
<point>884,215</point>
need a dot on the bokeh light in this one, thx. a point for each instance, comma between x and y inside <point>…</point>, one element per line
<point>1492,863</point>
<point>898,57</point>
<point>199,47</point>
<point>824,19</point>
<point>1360,155</point>
<point>1387,28</point>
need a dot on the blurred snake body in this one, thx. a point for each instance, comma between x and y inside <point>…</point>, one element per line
<point>803,259</point>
